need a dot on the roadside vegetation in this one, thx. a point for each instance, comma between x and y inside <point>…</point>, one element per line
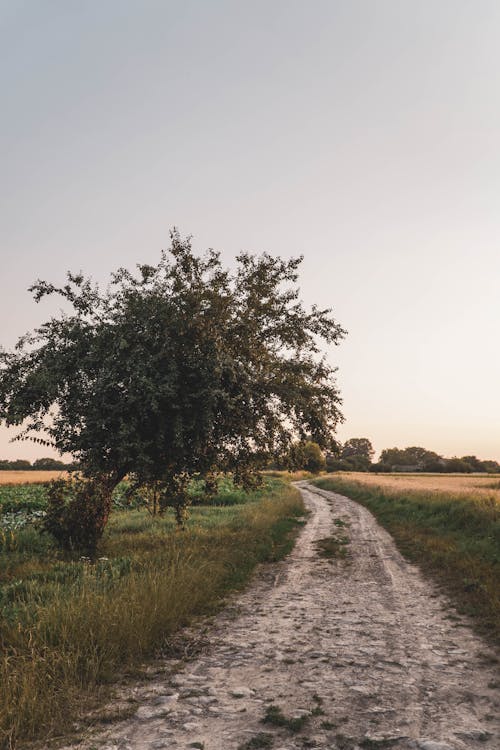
<point>453,536</point>
<point>69,626</point>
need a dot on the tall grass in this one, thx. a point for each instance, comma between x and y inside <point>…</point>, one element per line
<point>69,627</point>
<point>454,537</point>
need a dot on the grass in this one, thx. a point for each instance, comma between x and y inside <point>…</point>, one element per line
<point>455,537</point>
<point>68,628</point>
<point>332,547</point>
<point>275,716</point>
<point>260,740</point>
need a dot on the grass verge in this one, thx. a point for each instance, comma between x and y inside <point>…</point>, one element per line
<point>68,628</point>
<point>455,538</point>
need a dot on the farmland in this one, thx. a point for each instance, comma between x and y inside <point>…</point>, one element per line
<point>68,626</point>
<point>449,525</point>
<point>456,484</point>
<point>29,477</point>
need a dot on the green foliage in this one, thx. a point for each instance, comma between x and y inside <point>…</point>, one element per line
<point>420,459</point>
<point>41,464</point>
<point>181,369</point>
<point>359,447</point>
<point>274,715</point>
<point>77,513</point>
<point>355,455</point>
<point>68,627</point>
<point>308,456</point>
<point>260,740</point>
<point>22,497</point>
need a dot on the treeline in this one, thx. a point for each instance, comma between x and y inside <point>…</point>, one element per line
<point>357,454</point>
<point>41,464</point>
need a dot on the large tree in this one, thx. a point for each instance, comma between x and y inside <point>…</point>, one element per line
<point>180,368</point>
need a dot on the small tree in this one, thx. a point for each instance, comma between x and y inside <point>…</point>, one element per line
<point>308,456</point>
<point>181,369</point>
<point>357,454</point>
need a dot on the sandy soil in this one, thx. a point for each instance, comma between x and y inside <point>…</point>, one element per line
<point>370,653</point>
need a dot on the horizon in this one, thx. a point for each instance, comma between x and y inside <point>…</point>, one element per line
<point>365,138</point>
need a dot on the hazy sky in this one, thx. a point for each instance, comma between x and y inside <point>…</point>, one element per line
<point>364,134</point>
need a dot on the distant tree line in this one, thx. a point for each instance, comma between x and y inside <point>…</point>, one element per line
<point>356,454</point>
<point>41,464</point>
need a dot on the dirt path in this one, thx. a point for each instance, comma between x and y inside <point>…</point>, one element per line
<point>360,645</point>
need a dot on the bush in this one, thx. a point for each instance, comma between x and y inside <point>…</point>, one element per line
<point>77,513</point>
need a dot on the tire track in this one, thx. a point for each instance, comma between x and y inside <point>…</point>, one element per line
<point>360,645</point>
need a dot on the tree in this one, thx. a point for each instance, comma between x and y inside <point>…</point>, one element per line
<point>414,456</point>
<point>307,455</point>
<point>357,454</point>
<point>49,464</point>
<point>358,447</point>
<point>178,369</point>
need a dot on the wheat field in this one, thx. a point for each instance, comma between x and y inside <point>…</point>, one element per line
<point>461,484</point>
<point>29,477</point>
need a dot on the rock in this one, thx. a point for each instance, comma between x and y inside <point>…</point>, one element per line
<point>191,726</point>
<point>145,713</point>
<point>300,712</point>
<point>431,745</point>
<point>165,700</point>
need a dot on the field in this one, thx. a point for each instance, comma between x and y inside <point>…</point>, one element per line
<point>449,525</point>
<point>29,477</point>
<point>482,485</point>
<point>68,627</point>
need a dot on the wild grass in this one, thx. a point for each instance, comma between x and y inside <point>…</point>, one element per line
<point>69,627</point>
<point>455,537</point>
<point>274,715</point>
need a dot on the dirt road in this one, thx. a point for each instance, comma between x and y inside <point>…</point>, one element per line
<point>359,645</point>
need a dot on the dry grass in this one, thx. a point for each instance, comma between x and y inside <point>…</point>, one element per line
<point>456,484</point>
<point>450,525</point>
<point>29,477</point>
<point>67,627</point>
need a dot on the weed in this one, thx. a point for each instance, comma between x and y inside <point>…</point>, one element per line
<point>340,523</point>
<point>327,725</point>
<point>317,710</point>
<point>274,715</point>
<point>371,743</point>
<point>332,547</point>
<point>260,740</point>
<point>344,742</point>
<point>69,626</point>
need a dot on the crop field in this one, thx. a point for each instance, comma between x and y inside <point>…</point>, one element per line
<point>487,485</point>
<point>449,525</point>
<point>29,477</point>
<point>68,626</point>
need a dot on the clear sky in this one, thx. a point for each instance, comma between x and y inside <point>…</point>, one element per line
<point>364,134</point>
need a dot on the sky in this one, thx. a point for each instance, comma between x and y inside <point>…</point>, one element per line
<point>363,134</point>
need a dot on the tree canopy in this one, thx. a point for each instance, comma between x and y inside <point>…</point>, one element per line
<point>175,369</point>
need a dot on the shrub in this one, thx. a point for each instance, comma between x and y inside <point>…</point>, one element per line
<point>77,513</point>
